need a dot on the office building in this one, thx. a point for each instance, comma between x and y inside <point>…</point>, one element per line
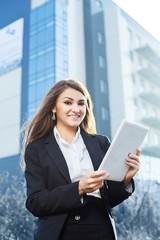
<point>133,63</point>
<point>14,26</point>
<point>121,70</point>
<point>48,60</point>
<point>33,50</point>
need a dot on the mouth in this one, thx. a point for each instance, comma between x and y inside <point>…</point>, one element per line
<point>74,116</point>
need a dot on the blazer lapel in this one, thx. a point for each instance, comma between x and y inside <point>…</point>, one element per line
<point>57,156</point>
<point>93,148</point>
<point>95,153</point>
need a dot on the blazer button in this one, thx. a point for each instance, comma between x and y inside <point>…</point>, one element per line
<point>77,217</point>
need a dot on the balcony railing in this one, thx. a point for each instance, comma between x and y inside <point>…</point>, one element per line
<point>148,53</point>
<point>153,151</point>
<point>150,74</point>
<point>152,121</point>
<point>151,97</point>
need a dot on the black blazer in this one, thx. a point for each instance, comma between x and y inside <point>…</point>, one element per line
<point>50,193</point>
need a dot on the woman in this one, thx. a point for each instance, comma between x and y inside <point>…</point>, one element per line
<point>64,189</point>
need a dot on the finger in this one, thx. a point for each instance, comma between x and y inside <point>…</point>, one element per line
<point>133,163</point>
<point>95,181</point>
<point>133,157</point>
<point>94,187</point>
<point>138,153</point>
<point>99,174</point>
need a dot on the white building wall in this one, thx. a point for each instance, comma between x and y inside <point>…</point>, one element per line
<point>11,54</point>
<point>10,109</point>
<point>76,44</point>
<point>113,53</point>
<point>128,89</point>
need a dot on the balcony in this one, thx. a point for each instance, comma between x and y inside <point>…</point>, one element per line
<point>151,97</point>
<point>148,53</point>
<point>151,121</point>
<point>150,74</point>
<point>153,151</point>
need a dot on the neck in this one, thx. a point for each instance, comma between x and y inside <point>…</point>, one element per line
<point>68,134</point>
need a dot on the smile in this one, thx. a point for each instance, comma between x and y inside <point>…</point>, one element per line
<point>74,116</point>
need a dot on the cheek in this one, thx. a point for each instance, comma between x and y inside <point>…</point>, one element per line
<point>62,110</point>
<point>84,111</point>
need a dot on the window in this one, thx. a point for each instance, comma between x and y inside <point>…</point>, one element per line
<point>33,18</point>
<point>40,90</point>
<point>140,62</point>
<point>40,63</point>
<point>138,41</point>
<point>31,93</point>
<point>133,78</point>
<point>131,56</point>
<point>130,35</point>
<point>50,8</point>
<point>103,86</point>
<point>40,38</point>
<point>142,86</point>
<point>144,109</point>
<point>49,33</point>
<point>32,66</point>
<point>33,41</point>
<point>155,139</point>
<point>64,39</point>
<point>64,16</point>
<point>101,62</point>
<point>104,113</point>
<point>100,37</point>
<point>98,3</point>
<point>41,13</point>
<point>135,103</point>
<point>154,112</point>
<point>49,59</point>
<point>152,88</point>
<point>65,66</point>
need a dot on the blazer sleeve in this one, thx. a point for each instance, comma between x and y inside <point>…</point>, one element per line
<point>115,190</point>
<point>40,200</point>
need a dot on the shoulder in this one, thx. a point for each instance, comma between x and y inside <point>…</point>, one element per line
<point>104,142</point>
<point>37,144</point>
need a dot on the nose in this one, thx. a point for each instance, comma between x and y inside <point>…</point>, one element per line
<point>75,108</point>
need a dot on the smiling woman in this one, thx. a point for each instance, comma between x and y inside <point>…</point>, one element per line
<point>65,190</point>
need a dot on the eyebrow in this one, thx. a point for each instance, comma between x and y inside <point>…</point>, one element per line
<point>73,99</point>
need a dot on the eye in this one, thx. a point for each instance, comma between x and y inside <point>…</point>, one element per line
<point>67,102</point>
<point>81,103</point>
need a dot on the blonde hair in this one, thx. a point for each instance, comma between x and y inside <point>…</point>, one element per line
<point>42,122</point>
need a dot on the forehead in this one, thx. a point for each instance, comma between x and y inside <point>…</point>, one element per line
<point>72,93</point>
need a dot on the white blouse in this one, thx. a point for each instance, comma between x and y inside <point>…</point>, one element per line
<point>77,158</point>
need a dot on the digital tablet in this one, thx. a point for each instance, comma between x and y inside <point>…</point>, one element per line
<point>127,139</point>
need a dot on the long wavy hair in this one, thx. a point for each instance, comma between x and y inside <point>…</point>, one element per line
<point>42,122</point>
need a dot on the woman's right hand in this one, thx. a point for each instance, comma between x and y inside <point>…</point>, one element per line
<point>92,182</point>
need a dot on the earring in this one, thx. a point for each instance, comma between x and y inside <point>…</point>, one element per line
<point>54,116</point>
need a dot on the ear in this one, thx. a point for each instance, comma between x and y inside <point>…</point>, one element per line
<point>54,110</point>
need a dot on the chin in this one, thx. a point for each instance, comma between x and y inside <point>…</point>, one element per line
<point>74,125</point>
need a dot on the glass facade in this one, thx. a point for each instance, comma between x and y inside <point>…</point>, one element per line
<point>47,50</point>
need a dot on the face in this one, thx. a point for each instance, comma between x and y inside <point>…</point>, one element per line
<point>70,109</point>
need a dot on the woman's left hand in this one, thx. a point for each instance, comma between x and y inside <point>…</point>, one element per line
<point>134,163</point>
